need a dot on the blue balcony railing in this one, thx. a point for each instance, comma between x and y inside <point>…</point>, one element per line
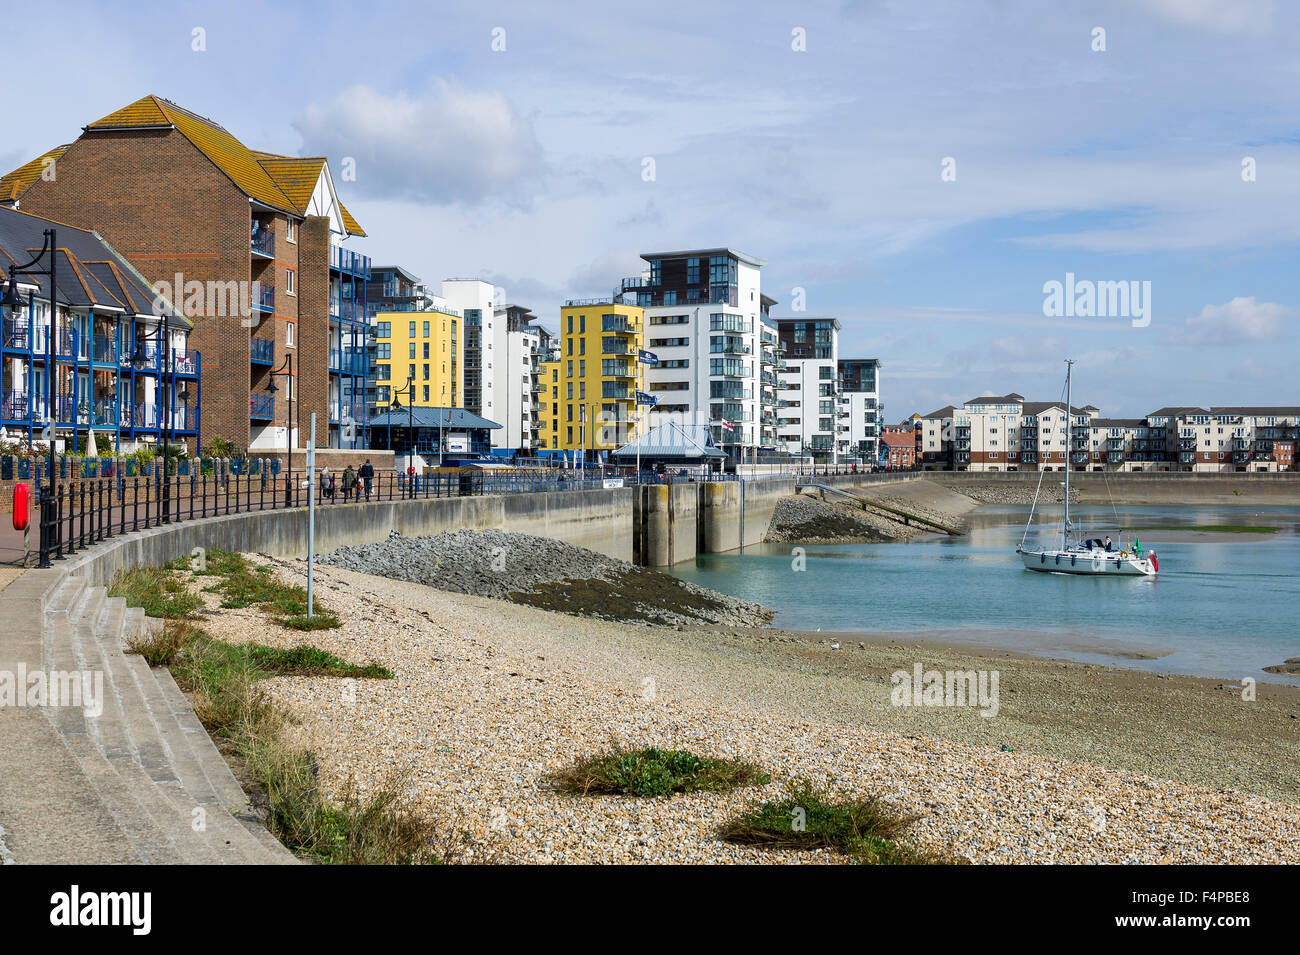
<point>16,334</point>
<point>184,362</point>
<point>266,298</point>
<point>15,406</point>
<point>104,349</point>
<point>262,351</point>
<point>261,406</point>
<point>263,241</point>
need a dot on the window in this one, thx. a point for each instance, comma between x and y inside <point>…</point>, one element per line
<point>582,346</point>
<point>290,282</point>
<point>289,329</point>
<point>582,368</point>
<point>383,330</point>
<point>426,372</point>
<point>411,347</point>
<point>381,372</point>
<point>291,231</point>
<point>570,397</point>
<point>426,329</point>
<point>426,349</point>
<point>411,332</point>
<point>571,327</point>
<point>410,373</point>
<point>569,374</point>
<point>569,342</point>
<point>582,324</point>
<point>383,351</point>
<point>426,392</point>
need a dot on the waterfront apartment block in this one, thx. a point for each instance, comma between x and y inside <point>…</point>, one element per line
<point>592,384</point>
<point>519,382</point>
<point>418,358</point>
<point>485,340</point>
<point>704,310</point>
<point>808,407</point>
<point>115,353</point>
<point>859,433</point>
<point>252,245</point>
<point>391,288</point>
<point>1007,433</point>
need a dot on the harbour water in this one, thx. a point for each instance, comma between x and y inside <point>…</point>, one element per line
<point>1225,604</point>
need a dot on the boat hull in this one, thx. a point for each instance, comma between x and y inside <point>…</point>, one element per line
<point>1088,563</point>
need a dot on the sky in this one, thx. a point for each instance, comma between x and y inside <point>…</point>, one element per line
<point>920,170</point>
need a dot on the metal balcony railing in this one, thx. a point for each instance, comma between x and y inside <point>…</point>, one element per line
<point>263,241</point>
<point>261,406</point>
<point>262,351</point>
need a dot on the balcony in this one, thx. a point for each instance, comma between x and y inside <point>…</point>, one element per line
<point>348,362</point>
<point>612,346</point>
<point>618,324</point>
<point>16,406</point>
<point>16,334</point>
<point>103,349</point>
<point>262,242</point>
<point>261,406</point>
<point>345,260</point>
<point>184,362</point>
<point>144,416</point>
<point>262,351</point>
<point>265,299</point>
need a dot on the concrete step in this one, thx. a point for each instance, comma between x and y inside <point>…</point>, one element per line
<point>226,788</point>
<point>65,596</point>
<point>195,793</point>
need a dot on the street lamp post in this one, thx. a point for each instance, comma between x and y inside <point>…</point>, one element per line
<point>396,405</point>
<point>286,368</point>
<point>12,300</point>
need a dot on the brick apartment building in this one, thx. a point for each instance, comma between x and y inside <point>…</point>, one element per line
<point>255,240</point>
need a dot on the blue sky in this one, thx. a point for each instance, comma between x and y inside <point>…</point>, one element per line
<point>525,165</point>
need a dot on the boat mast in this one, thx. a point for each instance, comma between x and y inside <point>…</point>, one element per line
<point>1069,453</point>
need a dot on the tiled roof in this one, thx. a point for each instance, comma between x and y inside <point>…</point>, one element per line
<point>350,223</point>
<point>424,416</point>
<point>90,271</point>
<point>1258,410</point>
<point>14,184</point>
<point>281,182</point>
<point>296,178</point>
<point>1174,412</point>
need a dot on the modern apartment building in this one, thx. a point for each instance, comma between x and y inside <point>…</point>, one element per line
<point>519,383</point>
<point>114,369</point>
<point>809,411</point>
<point>860,396</point>
<point>419,358</point>
<point>704,310</point>
<point>592,386</point>
<point>485,340</point>
<point>250,245</point>
<point>391,288</point>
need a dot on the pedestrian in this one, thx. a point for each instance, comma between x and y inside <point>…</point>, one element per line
<point>326,484</point>
<point>367,475</point>
<point>349,483</point>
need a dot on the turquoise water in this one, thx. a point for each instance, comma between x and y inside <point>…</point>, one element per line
<point>1218,608</point>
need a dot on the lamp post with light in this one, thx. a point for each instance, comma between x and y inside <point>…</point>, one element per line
<point>285,368</point>
<point>396,405</point>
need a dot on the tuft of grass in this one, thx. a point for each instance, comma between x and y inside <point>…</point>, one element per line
<point>158,591</point>
<point>161,646</point>
<point>866,830</point>
<point>380,829</point>
<point>655,772</point>
<point>310,661</point>
<point>242,583</point>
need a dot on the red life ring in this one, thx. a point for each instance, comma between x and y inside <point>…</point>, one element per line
<point>21,506</point>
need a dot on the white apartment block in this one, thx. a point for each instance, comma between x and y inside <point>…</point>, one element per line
<point>859,380</point>
<point>703,313</point>
<point>484,348</point>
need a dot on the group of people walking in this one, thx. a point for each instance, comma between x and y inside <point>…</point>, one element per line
<point>355,482</point>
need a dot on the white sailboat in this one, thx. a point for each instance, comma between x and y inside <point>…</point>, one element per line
<point>1076,555</point>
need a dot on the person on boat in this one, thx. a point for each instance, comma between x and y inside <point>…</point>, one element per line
<point>1108,543</point>
<point>1137,548</point>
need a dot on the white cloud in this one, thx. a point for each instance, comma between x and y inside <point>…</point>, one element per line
<point>1240,320</point>
<point>1220,16</point>
<point>449,145</point>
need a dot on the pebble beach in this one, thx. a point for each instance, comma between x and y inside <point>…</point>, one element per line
<point>1083,764</point>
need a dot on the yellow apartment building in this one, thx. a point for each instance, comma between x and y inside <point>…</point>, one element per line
<point>424,349</point>
<point>590,393</point>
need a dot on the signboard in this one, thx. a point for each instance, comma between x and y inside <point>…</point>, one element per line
<point>647,357</point>
<point>458,443</point>
<point>646,399</point>
<point>612,482</point>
